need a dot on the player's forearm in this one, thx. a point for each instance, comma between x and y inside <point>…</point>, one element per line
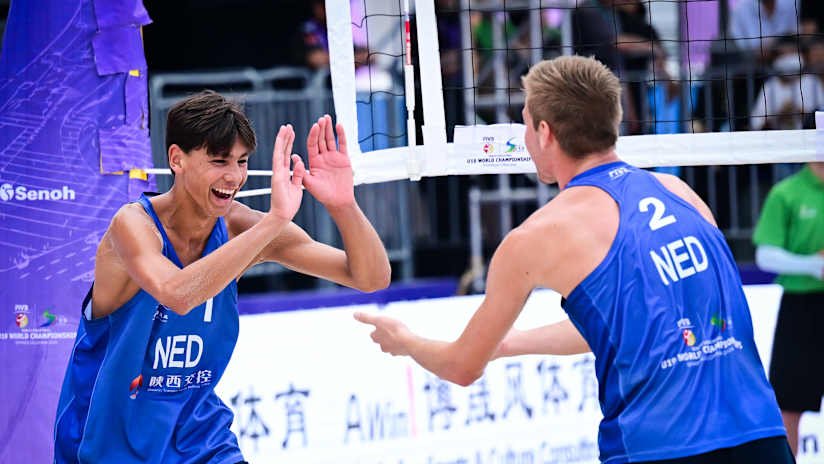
<point>207,276</point>
<point>781,261</point>
<point>561,338</point>
<point>366,258</point>
<point>441,359</point>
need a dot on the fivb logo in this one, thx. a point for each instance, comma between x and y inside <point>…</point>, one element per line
<point>178,351</point>
<point>20,193</point>
<point>617,172</point>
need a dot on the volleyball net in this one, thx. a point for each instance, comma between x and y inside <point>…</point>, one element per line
<point>704,82</point>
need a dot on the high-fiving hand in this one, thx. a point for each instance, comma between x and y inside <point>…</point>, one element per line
<point>389,333</point>
<point>286,193</point>
<point>329,179</point>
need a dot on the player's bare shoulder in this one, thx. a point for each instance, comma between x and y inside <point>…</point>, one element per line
<point>130,228</point>
<point>680,188</point>
<point>576,228</point>
<point>132,222</point>
<point>240,218</point>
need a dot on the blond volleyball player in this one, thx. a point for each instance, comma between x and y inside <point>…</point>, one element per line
<point>648,282</point>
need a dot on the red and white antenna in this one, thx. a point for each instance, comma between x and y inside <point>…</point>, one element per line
<point>413,165</point>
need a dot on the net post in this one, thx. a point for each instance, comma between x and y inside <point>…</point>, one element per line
<point>435,157</point>
<point>342,71</point>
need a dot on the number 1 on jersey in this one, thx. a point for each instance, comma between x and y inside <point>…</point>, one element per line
<point>658,219</point>
<point>207,315</point>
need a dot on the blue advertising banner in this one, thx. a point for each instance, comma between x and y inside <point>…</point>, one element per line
<point>73,111</point>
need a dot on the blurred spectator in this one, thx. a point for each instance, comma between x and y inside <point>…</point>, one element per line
<point>641,51</point>
<point>755,24</point>
<point>812,16</point>
<point>789,241</point>
<point>787,96</point>
<point>451,49</point>
<point>315,40</point>
<point>814,59</point>
<point>595,33</point>
<point>618,33</point>
<point>314,48</point>
<point>638,41</point>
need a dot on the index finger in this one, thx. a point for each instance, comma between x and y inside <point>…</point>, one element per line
<point>365,318</point>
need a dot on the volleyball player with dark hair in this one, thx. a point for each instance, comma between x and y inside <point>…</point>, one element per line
<point>160,322</point>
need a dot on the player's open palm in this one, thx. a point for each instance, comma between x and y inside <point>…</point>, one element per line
<point>329,178</point>
<point>287,191</point>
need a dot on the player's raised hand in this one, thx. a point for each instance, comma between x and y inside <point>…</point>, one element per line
<point>329,179</point>
<point>389,333</point>
<point>286,192</point>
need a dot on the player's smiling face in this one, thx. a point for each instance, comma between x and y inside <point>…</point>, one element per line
<point>213,179</point>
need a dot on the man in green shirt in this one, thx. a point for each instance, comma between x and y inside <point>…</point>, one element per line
<point>790,242</point>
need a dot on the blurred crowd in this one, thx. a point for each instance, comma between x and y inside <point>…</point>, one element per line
<point>720,65</point>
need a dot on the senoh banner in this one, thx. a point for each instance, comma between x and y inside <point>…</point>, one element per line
<point>73,98</point>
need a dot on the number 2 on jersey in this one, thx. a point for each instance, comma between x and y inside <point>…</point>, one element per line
<point>658,219</point>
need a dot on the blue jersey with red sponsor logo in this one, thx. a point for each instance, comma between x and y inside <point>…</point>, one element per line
<point>667,320</point>
<point>140,382</point>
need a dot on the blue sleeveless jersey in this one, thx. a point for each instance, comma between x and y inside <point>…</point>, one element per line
<point>140,382</point>
<point>666,317</point>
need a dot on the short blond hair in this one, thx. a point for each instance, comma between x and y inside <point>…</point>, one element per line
<point>579,98</point>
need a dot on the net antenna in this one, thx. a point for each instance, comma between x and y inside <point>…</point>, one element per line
<point>413,165</point>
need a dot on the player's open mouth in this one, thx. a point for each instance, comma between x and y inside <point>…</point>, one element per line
<point>223,194</point>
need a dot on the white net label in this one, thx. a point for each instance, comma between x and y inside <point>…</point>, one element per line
<point>496,148</point>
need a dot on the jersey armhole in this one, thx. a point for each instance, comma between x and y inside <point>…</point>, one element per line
<point>616,243</point>
<point>685,203</point>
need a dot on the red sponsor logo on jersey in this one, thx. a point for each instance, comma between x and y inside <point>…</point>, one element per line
<point>135,386</point>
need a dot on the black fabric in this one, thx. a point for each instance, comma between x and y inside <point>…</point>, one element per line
<point>795,365</point>
<point>813,10</point>
<point>773,450</point>
<point>636,24</point>
<point>594,33</point>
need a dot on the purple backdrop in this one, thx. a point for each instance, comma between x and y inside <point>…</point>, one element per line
<point>70,109</point>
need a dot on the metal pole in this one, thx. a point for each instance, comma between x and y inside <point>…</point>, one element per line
<point>468,64</point>
<point>475,239</point>
<point>501,103</point>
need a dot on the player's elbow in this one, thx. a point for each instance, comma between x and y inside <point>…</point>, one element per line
<point>463,371</point>
<point>466,377</point>
<point>377,280</point>
<point>172,298</point>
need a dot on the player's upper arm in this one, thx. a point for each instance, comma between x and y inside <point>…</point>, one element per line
<point>138,244</point>
<point>508,285</point>
<point>512,272</point>
<point>680,188</point>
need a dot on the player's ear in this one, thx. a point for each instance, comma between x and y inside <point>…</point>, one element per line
<point>176,156</point>
<point>545,135</point>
